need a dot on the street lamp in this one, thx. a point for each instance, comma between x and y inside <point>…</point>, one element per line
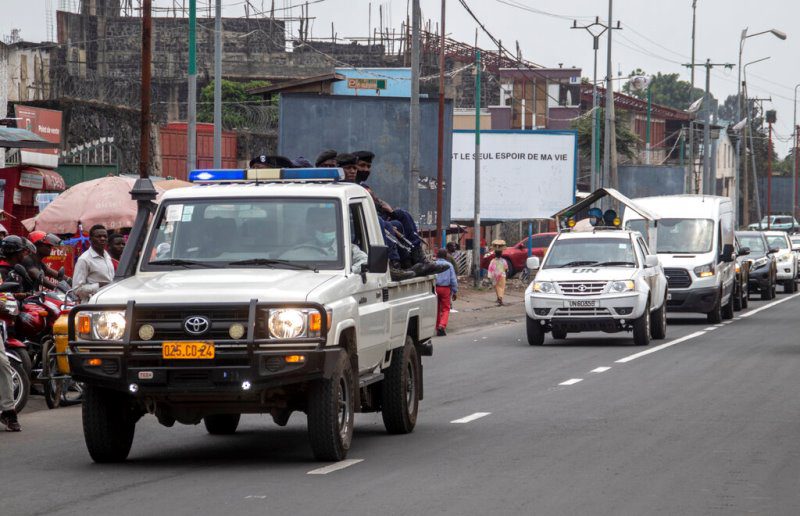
<point>752,146</point>
<point>780,35</point>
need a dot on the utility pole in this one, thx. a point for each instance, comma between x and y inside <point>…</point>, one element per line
<point>147,75</point>
<point>610,144</point>
<point>440,139</point>
<point>476,223</point>
<point>596,30</point>
<point>218,85</point>
<point>709,183</point>
<point>414,117</point>
<point>794,155</point>
<point>770,120</point>
<point>694,25</point>
<point>191,106</point>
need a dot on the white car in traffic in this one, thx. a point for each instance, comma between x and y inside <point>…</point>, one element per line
<point>603,280</point>
<point>786,258</point>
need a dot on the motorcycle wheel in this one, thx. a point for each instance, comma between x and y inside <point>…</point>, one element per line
<point>52,388</point>
<point>72,393</point>
<point>21,382</point>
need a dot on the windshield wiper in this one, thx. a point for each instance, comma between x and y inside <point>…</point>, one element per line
<point>611,264</point>
<point>180,262</point>
<point>578,262</point>
<point>268,262</point>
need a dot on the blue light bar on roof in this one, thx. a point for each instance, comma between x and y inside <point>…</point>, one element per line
<point>265,174</point>
<point>217,175</point>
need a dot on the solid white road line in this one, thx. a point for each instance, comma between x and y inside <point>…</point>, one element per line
<point>571,381</point>
<point>659,348</point>
<point>471,417</point>
<point>770,305</point>
<point>336,466</point>
<point>600,369</point>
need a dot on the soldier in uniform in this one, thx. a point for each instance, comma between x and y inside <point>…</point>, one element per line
<point>326,159</point>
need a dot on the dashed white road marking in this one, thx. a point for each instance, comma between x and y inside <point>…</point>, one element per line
<point>710,328</point>
<point>719,325</point>
<point>471,417</point>
<point>769,305</point>
<point>571,381</point>
<point>728,322</point>
<point>659,348</point>
<point>600,369</point>
<point>336,466</point>
<point>260,497</point>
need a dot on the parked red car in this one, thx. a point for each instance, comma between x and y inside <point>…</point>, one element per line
<point>517,254</point>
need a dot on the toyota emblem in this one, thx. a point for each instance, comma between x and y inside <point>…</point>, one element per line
<point>196,325</point>
<point>582,288</point>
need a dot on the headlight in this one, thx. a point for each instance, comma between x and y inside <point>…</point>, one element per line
<point>292,323</point>
<point>704,271</point>
<point>621,286</point>
<point>785,258</point>
<point>544,287</point>
<point>105,325</point>
<point>738,268</point>
<point>11,307</point>
<point>760,262</point>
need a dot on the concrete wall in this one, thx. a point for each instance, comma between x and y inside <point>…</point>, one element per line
<point>310,124</point>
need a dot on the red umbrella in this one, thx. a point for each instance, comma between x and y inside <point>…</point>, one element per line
<point>105,201</point>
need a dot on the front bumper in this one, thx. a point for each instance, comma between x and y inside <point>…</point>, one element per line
<point>786,270</point>
<point>253,363</point>
<point>606,312</point>
<point>698,300</point>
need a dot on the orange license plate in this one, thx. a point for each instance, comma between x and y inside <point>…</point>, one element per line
<point>187,350</point>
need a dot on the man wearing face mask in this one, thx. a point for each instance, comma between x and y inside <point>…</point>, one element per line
<point>363,165</point>
<point>324,231</point>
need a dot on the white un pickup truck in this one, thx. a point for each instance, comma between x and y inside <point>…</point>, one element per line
<point>268,296</point>
<point>599,280</point>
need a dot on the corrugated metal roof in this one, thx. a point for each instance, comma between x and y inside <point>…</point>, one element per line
<point>11,137</point>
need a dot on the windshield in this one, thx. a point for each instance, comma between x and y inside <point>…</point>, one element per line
<point>755,243</point>
<point>598,252</point>
<point>266,232</point>
<point>778,241</point>
<point>679,236</point>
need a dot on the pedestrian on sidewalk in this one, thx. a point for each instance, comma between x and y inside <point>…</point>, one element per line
<point>498,268</point>
<point>446,290</point>
<point>8,414</point>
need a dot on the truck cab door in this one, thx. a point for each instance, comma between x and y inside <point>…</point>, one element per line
<point>369,290</point>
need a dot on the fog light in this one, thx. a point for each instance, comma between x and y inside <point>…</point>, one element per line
<point>624,310</point>
<point>246,385</point>
<point>541,311</point>
<point>236,331</point>
<point>94,362</point>
<point>133,388</point>
<point>295,359</point>
<point>146,332</point>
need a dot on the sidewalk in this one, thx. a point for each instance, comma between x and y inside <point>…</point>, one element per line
<point>477,308</point>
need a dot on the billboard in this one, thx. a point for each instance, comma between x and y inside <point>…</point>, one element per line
<point>374,82</point>
<point>524,174</point>
<point>45,123</point>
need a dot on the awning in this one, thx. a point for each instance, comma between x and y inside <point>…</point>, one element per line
<point>41,179</point>
<point>14,138</point>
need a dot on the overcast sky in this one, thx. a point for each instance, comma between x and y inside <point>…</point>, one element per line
<point>656,35</point>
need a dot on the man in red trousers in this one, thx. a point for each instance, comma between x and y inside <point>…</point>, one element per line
<point>446,289</point>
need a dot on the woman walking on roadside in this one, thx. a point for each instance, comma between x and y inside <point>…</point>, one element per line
<point>498,268</point>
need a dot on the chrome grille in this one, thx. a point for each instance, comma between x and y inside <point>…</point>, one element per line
<point>582,288</point>
<point>582,312</point>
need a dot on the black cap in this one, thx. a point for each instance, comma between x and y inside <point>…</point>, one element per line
<point>342,160</point>
<point>325,156</point>
<point>364,155</point>
<point>272,161</point>
<point>301,162</point>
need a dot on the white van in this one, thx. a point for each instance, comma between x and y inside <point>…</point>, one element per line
<point>695,239</point>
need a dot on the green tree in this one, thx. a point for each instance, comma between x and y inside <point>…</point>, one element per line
<point>236,103</point>
<point>667,89</point>
<point>627,141</point>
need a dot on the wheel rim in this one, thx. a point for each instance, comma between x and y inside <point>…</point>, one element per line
<point>411,388</point>
<point>16,382</point>
<point>343,400</point>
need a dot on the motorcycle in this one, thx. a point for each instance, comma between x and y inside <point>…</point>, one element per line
<point>15,350</point>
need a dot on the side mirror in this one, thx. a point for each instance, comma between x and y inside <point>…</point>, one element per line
<point>378,259</point>
<point>727,253</point>
<point>532,263</point>
<point>651,260</point>
<point>744,251</point>
<point>773,250</point>
<point>9,286</point>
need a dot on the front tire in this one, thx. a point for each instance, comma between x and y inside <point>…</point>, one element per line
<point>737,299</point>
<point>641,328</point>
<point>331,410</point>
<point>108,424</point>
<point>401,390</point>
<point>222,424</point>
<point>534,331</point>
<point>727,310</point>
<point>658,322</point>
<point>559,334</point>
<point>715,315</point>
<point>789,286</point>
<point>21,385</point>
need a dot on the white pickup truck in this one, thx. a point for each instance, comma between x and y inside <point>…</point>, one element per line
<point>600,280</point>
<point>261,297</point>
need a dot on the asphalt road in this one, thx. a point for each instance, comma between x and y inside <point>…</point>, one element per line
<point>704,422</point>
